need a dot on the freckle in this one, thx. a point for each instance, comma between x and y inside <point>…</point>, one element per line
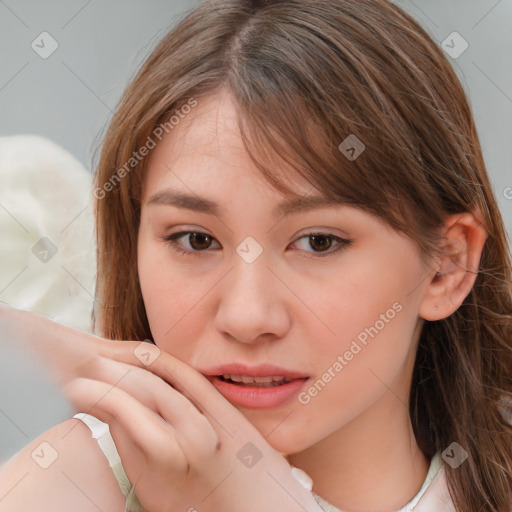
<point>219,445</point>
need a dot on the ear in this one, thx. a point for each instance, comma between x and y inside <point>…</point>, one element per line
<point>455,273</point>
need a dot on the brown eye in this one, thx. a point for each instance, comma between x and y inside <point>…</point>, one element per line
<point>322,242</point>
<point>198,242</point>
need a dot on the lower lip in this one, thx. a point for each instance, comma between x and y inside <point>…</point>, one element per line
<point>254,397</point>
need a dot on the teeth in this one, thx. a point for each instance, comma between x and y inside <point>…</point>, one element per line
<point>246,379</point>
<point>235,378</point>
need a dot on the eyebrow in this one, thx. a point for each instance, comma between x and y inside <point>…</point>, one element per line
<point>204,205</point>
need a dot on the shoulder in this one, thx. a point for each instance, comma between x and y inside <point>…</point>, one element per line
<point>62,469</point>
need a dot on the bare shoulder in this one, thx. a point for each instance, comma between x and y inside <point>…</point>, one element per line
<point>63,469</point>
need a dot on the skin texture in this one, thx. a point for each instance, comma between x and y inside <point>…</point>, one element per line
<point>165,436</point>
<point>80,478</point>
<point>170,425</point>
<point>293,308</point>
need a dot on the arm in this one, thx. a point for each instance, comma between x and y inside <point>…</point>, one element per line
<point>79,479</point>
<point>170,445</point>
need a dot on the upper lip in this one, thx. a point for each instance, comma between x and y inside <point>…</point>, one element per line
<point>262,370</point>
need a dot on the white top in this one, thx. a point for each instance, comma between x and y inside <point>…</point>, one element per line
<point>435,465</point>
<point>440,499</point>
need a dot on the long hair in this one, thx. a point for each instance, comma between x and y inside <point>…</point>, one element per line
<point>305,75</point>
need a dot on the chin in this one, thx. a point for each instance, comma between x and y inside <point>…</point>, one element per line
<point>284,439</point>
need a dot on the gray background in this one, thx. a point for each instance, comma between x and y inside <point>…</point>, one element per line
<point>70,96</point>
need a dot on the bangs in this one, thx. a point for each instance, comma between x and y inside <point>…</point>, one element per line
<point>285,135</point>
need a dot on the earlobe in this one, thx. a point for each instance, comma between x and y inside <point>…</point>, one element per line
<point>456,270</point>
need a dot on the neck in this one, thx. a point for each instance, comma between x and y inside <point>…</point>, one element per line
<point>372,463</point>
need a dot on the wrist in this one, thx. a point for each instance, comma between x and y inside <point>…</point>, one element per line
<point>299,486</point>
<point>270,489</point>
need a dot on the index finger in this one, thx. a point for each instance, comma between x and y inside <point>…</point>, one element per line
<point>184,378</point>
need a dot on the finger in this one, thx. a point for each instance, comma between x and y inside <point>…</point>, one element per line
<point>187,380</point>
<point>199,390</point>
<point>190,382</point>
<point>150,390</point>
<point>193,430</point>
<point>146,430</point>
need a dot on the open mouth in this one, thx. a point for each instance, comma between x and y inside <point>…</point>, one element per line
<point>258,392</point>
<point>260,382</point>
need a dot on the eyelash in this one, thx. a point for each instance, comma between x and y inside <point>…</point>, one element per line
<point>170,240</point>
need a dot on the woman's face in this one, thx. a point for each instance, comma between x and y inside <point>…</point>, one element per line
<point>253,288</point>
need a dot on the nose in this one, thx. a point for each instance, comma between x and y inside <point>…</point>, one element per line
<point>252,303</point>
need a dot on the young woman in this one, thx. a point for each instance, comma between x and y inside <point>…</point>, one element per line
<point>293,206</point>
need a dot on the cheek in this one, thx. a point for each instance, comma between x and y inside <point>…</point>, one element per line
<point>174,298</point>
<point>366,298</point>
<point>164,290</point>
<point>349,378</point>
<point>372,316</point>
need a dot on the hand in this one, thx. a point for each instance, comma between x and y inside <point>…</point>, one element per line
<point>65,352</point>
<point>179,446</point>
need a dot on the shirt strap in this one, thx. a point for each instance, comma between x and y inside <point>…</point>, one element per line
<point>101,432</point>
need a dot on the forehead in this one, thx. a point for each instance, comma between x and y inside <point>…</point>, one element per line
<point>205,148</point>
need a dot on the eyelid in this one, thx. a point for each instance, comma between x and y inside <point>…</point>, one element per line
<point>341,241</point>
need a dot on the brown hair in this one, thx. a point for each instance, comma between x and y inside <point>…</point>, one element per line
<point>305,75</point>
